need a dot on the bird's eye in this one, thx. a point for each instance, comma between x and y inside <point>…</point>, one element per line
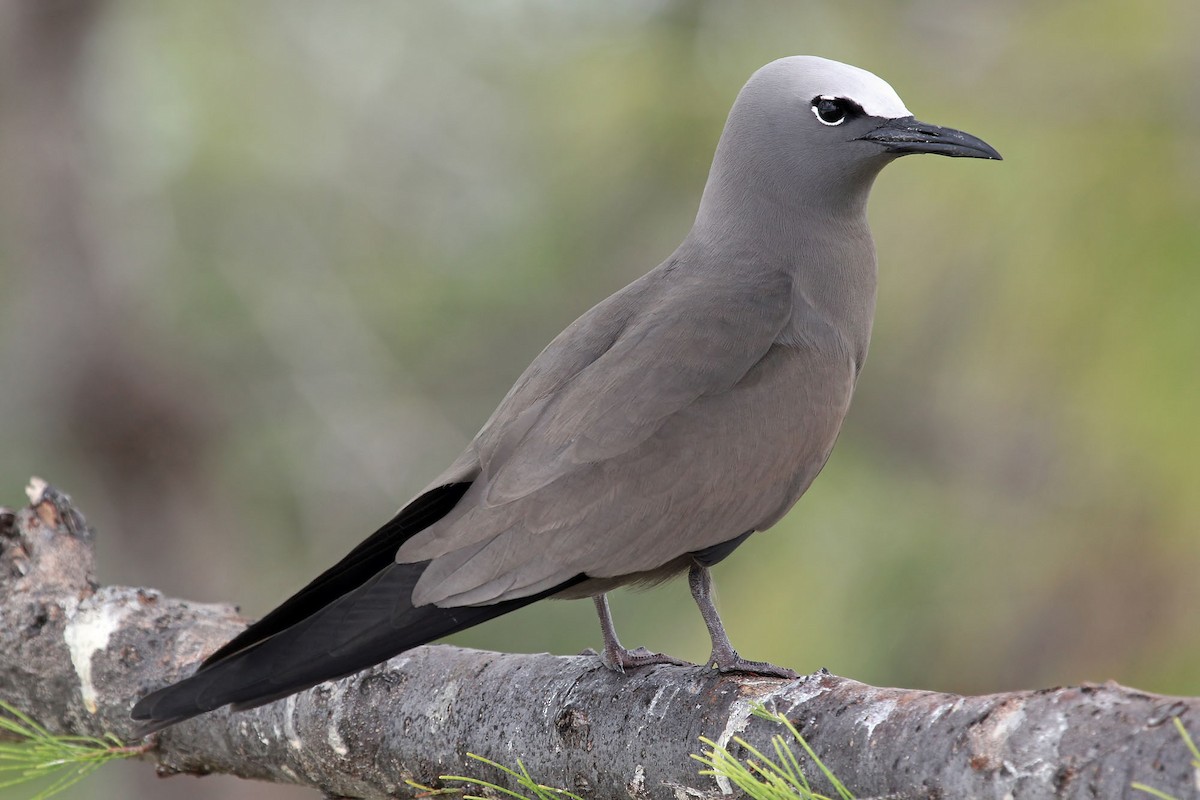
<point>832,110</point>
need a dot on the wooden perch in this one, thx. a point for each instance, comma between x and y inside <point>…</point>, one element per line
<point>75,656</point>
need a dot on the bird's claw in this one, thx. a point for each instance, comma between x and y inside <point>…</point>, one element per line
<point>618,659</point>
<point>734,663</point>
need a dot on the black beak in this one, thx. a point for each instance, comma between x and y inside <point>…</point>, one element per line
<point>906,135</point>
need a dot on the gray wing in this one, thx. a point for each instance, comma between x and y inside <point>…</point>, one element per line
<point>664,421</point>
<point>633,362</point>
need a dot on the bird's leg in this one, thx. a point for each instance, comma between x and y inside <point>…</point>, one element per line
<point>616,657</point>
<point>723,656</point>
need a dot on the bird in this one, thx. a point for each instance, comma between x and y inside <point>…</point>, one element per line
<point>654,435</point>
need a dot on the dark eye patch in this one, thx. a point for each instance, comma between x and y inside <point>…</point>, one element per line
<point>834,110</point>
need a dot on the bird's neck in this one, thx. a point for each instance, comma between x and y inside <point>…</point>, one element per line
<point>746,219</point>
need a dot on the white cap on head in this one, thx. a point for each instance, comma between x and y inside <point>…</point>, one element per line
<point>835,79</point>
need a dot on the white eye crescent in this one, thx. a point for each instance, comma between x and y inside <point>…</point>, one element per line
<point>831,110</point>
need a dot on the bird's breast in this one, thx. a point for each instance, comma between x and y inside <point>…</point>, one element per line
<point>770,436</point>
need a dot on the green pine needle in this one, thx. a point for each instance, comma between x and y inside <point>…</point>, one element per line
<point>763,778</point>
<point>39,755</point>
<point>522,776</point>
<point>1191,745</point>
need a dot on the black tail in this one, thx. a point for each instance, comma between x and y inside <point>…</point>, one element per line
<point>358,567</point>
<point>356,614</point>
<point>360,629</point>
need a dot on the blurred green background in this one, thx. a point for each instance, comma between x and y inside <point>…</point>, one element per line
<point>266,267</point>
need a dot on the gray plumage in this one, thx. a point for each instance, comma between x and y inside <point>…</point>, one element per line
<point>689,409</point>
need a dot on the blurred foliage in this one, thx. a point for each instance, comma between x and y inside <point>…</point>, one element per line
<point>329,236</point>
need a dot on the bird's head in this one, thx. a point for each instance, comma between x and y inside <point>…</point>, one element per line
<point>821,128</point>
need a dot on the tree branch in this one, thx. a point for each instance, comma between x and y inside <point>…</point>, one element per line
<point>75,656</point>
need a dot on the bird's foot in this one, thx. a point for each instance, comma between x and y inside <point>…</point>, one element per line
<point>618,659</point>
<point>732,662</point>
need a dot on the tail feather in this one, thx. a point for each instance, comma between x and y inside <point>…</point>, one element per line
<point>363,562</point>
<point>363,627</point>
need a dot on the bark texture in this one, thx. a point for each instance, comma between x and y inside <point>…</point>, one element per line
<point>76,655</point>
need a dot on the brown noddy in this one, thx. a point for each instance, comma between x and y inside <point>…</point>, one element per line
<point>655,434</point>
